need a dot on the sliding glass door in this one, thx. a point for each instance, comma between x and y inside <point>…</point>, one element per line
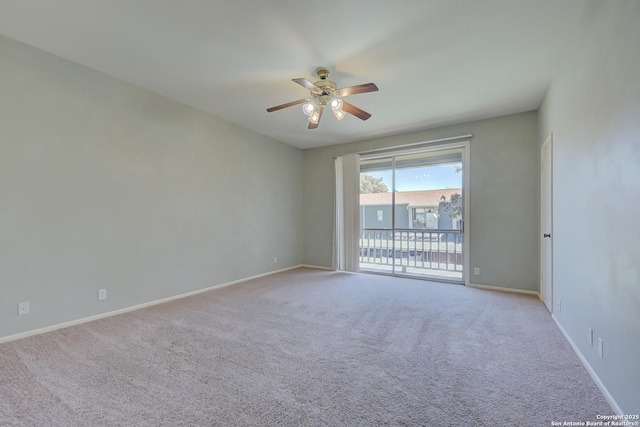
<point>412,214</point>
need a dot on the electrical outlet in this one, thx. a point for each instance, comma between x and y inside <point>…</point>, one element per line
<point>590,335</point>
<point>23,308</point>
<point>275,259</point>
<point>476,271</point>
<point>600,348</point>
<point>102,294</point>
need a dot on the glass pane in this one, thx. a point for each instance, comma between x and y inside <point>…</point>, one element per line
<point>428,205</point>
<point>376,216</point>
<point>410,214</point>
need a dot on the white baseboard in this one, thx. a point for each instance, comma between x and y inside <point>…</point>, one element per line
<point>137,307</point>
<point>501,289</point>
<point>316,267</point>
<point>610,400</point>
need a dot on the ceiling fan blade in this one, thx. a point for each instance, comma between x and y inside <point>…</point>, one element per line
<point>288,104</point>
<point>352,109</point>
<point>353,90</point>
<point>306,83</point>
<point>315,125</point>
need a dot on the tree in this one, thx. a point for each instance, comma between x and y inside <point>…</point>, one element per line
<point>370,184</point>
<point>454,206</point>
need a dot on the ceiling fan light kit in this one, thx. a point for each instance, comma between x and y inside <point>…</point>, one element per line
<point>326,93</point>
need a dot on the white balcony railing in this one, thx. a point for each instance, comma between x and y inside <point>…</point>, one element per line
<point>429,252</point>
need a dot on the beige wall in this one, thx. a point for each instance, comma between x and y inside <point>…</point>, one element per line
<point>593,110</point>
<point>503,197</point>
<point>106,185</point>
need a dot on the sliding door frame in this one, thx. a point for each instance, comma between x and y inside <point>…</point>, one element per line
<point>464,147</point>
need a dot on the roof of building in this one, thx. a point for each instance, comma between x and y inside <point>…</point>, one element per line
<point>410,198</point>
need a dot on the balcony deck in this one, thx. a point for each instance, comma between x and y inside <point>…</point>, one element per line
<point>428,253</point>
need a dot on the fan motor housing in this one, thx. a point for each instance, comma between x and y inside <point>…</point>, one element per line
<point>323,84</point>
<point>327,86</point>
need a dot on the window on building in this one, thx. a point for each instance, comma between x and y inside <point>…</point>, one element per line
<point>424,218</point>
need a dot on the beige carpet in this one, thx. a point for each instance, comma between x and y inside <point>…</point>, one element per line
<point>308,348</point>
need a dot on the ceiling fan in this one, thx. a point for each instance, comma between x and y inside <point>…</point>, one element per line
<point>325,92</point>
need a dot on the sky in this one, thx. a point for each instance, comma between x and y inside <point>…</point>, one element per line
<point>423,178</point>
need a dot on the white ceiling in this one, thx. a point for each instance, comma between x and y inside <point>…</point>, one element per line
<point>436,62</point>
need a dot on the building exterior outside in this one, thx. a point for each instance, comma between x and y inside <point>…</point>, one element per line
<point>413,210</point>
